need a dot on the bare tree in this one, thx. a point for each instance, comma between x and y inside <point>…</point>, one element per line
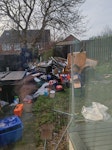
<point>60,15</point>
<point>18,13</point>
<point>107,31</point>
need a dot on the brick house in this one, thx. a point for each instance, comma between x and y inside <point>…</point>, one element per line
<point>11,40</point>
<point>11,44</point>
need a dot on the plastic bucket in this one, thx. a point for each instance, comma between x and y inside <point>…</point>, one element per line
<point>52,94</point>
<point>27,107</point>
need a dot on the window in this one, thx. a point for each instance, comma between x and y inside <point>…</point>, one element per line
<point>91,126</point>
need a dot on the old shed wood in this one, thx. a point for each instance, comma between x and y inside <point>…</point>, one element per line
<point>3,74</point>
<point>13,76</point>
<point>91,136</point>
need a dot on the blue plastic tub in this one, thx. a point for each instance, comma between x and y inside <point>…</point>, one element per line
<point>11,129</point>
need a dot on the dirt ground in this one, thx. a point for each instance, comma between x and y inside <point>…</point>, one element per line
<point>28,141</point>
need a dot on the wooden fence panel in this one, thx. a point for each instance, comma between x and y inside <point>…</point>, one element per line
<point>99,49</point>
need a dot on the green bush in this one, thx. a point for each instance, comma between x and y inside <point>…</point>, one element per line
<point>47,54</point>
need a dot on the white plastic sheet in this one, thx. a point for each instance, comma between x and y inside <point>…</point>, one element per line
<point>41,90</point>
<point>3,103</point>
<point>95,112</point>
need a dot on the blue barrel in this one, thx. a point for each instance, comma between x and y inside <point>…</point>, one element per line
<point>11,130</point>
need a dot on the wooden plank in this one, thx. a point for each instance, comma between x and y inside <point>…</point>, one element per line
<point>86,135</point>
<point>3,74</point>
<point>102,147</point>
<point>90,126</point>
<point>14,75</point>
<point>96,144</point>
<point>96,131</point>
<point>95,135</point>
<point>77,142</point>
<point>98,140</point>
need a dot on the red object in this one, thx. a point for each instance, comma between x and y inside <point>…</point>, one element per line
<point>64,77</point>
<point>59,87</point>
<point>18,110</point>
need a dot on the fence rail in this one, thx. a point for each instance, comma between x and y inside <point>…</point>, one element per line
<point>99,49</point>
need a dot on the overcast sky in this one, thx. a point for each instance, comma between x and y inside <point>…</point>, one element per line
<point>99,15</point>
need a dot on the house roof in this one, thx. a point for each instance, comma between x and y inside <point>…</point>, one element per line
<point>12,36</point>
<point>70,38</point>
<point>68,41</point>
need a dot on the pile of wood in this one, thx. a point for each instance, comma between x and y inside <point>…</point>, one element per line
<point>80,59</point>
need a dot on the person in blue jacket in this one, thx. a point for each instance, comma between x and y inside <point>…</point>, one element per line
<point>25,57</point>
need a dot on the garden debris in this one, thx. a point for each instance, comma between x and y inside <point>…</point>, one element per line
<point>46,76</point>
<point>91,63</point>
<point>77,58</point>
<point>41,78</point>
<point>56,71</point>
<point>18,110</point>
<point>52,94</point>
<point>41,90</point>
<point>11,130</point>
<point>3,103</point>
<point>80,59</point>
<point>107,76</point>
<point>95,112</point>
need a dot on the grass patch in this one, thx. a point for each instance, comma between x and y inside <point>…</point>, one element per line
<point>44,108</point>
